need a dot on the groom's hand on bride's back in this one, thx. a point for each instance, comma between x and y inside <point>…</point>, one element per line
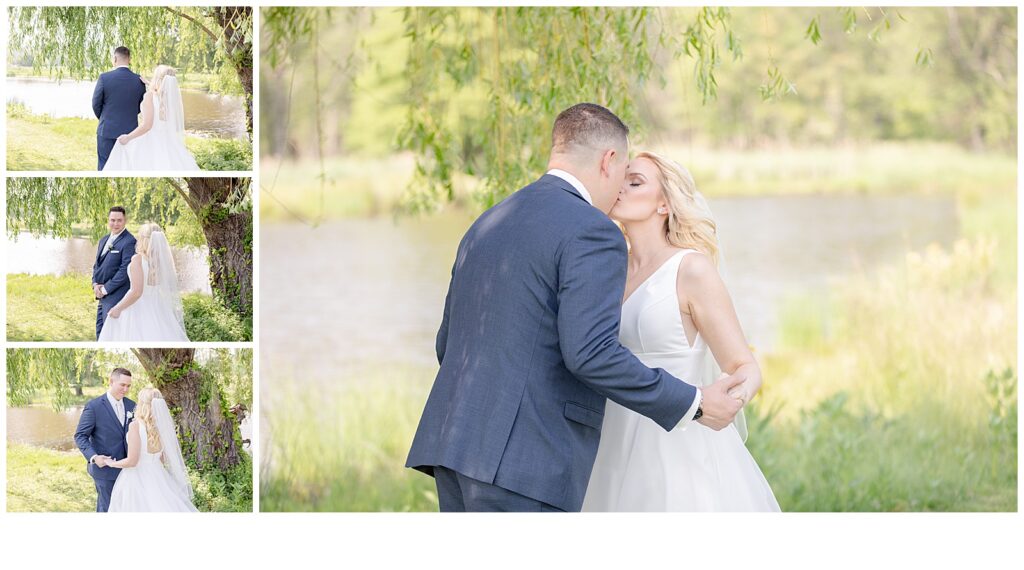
<point>718,408</point>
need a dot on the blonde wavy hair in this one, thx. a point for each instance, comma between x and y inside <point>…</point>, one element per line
<point>157,83</point>
<point>144,413</point>
<point>689,224</point>
<point>142,244</point>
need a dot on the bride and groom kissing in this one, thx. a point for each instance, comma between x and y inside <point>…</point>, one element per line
<point>577,373</point>
<point>132,451</point>
<point>135,285</point>
<point>158,143</point>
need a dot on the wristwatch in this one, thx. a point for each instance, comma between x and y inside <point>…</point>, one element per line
<point>700,410</point>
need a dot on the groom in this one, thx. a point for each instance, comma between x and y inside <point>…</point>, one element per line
<point>116,102</point>
<point>528,344</point>
<point>110,271</point>
<point>101,434</point>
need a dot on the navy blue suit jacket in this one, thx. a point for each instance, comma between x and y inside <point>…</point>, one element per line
<point>529,350</point>
<point>116,101</point>
<point>111,270</point>
<point>100,433</point>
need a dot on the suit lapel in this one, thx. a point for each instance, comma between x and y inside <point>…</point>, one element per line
<point>99,250</point>
<point>127,419</point>
<point>113,245</point>
<point>110,408</point>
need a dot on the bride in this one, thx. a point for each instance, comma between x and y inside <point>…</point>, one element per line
<point>153,476</point>
<point>158,143</point>
<point>151,309</point>
<point>677,315</point>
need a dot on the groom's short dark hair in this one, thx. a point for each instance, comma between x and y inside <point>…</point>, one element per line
<point>587,124</point>
<point>118,209</point>
<point>120,372</point>
<point>122,52</point>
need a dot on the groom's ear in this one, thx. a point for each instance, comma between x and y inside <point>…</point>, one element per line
<point>607,159</point>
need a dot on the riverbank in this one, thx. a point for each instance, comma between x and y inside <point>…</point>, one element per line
<point>40,142</point>
<point>62,308</point>
<point>359,187</point>
<point>897,391</point>
<point>192,80</point>
<point>45,480</point>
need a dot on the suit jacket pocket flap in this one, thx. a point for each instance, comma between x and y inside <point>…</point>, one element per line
<point>584,415</point>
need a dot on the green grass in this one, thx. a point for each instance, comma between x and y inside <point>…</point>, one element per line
<point>62,308</point>
<point>344,450</point>
<point>356,186</point>
<point>40,142</point>
<point>46,480</point>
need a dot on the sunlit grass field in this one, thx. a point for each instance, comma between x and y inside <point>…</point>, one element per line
<point>47,481</point>
<point>40,142</point>
<point>62,308</point>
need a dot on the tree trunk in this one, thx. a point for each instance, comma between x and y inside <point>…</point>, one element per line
<point>233,21</point>
<point>205,431</point>
<point>228,232</point>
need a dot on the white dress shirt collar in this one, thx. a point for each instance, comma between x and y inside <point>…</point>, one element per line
<point>576,184</point>
<point>113,238</point>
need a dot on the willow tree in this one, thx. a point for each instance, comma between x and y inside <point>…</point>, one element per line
<point>484,84</point>
<point>78,41</point>
<point>214,211</point>
<point>58,372</point>
<point>207,430</point>
<point>206,427</point>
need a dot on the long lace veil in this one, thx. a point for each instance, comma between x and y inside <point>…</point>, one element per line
<point>163,277</point>
<point>172,111</point>
<point>173,460</point>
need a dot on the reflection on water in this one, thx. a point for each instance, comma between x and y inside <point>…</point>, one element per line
<point>40,426</point>
<point>359,295</point>
<point>55,256</point>
<point>220,116</point>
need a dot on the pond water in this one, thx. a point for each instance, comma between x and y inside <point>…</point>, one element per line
<point>360,295</point>
<point>40,426</point>
<point>206,114</point>
<point>56,256</point>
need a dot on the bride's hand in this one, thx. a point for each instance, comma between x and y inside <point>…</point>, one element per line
<point>123,139</point>
<point>739,392</point>
<point>114,313</point>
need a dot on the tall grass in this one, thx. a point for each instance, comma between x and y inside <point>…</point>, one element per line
<point>344,449</point>
<point>897,393</point>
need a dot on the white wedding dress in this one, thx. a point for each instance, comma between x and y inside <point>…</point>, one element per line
<point>163,147</point>
<point>642,467</point>
<point>155,316</point>
<point>149,486</point>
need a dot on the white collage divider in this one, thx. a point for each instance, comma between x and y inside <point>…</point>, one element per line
<point>363,540</point>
